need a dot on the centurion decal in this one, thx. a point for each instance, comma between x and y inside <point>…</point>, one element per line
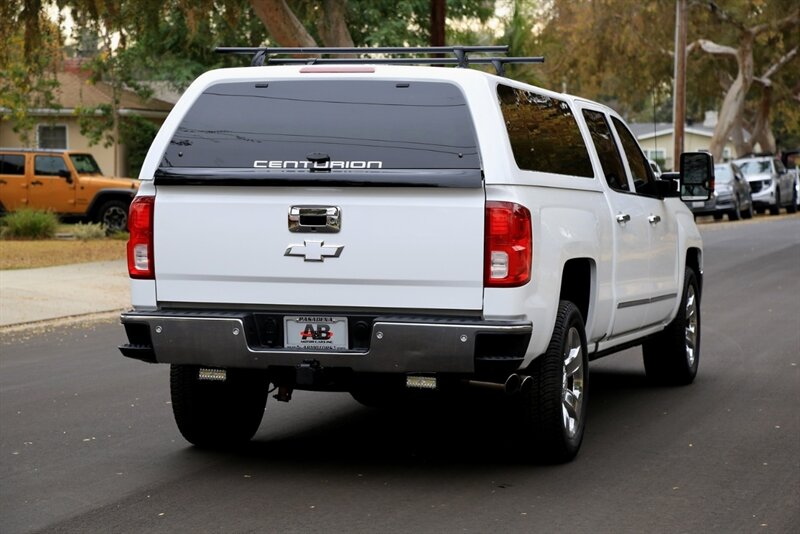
<point>321,165</point>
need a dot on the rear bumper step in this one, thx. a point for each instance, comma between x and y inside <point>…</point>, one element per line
<point>396,344</point>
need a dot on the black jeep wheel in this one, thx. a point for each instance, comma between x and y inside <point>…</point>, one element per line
<point>212,413</point>
<point>672,356</point>
<point>554,407</point>
<point>113,214</point>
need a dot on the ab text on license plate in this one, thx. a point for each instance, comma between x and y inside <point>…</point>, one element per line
<point>315,332</point>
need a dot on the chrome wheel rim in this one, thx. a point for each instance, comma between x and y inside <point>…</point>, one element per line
<point>572,383</point>
<point>115,218</point>
<point>692,323</point>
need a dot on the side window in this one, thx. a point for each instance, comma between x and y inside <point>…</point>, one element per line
<point>607,150</point>
<point>640,169</point>
<point>543,133</point>
<point>49,165</point>
<point>779,166</point>
<point>12,164</point>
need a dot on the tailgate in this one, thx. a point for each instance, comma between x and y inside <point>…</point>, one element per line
<point>410,248</point>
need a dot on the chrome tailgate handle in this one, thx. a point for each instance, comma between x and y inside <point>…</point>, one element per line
<point>315,219</point>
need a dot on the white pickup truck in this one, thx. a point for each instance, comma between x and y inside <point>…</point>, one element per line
<point>377,228</point>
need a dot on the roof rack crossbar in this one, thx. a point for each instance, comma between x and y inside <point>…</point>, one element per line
<point>497,62</point>
<point>364,50</point>
<point>266,55</point>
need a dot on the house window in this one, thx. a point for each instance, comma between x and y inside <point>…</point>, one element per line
<point>659,155</point>
<point>52,136</point>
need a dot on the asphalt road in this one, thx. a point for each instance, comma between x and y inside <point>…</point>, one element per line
<point>88,444</point>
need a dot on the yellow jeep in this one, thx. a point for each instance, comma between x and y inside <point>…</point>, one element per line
<point>65,182</point>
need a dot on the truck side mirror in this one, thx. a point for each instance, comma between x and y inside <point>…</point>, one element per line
<point>697,176</point>
<point>65,174</point>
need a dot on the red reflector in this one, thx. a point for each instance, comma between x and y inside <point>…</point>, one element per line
<point>140,243</point>
<point>322,68</point>
<point>508,245</point>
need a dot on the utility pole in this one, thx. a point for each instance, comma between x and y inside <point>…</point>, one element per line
<point>437,22</point>
<point>679,90</point>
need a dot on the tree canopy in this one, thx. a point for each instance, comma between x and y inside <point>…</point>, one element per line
<point>621,52</point>
<point>742,59</point>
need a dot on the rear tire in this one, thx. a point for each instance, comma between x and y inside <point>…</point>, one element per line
<point>736,213</point>
<point>218,414</point>
<point>792,208</point>
<point>113,214</point>
<point>775,209</point>
<point>554,407</point>
<point>748,213</point>
<point>672,356</point>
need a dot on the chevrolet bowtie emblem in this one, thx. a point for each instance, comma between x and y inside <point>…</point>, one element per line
<point>314,250</point>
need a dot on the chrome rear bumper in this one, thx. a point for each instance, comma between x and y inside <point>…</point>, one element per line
<point>401,344</point>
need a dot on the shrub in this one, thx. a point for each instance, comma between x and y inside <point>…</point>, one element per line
<point>29,224</point>
<point>85,232</point>
<point>119,235</point>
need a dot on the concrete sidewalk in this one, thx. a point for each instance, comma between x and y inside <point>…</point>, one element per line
<point>34,295</point>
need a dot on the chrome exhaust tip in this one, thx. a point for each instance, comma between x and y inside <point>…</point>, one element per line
<point>513,384</point>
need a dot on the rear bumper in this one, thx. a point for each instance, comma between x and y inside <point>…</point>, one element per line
<point>397,344</point>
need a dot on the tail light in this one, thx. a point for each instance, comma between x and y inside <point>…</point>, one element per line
<point>140,243</point>
<point>509,245</point>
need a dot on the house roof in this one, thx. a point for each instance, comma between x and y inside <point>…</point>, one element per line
<point>648,130</point>
<point>76,91</point>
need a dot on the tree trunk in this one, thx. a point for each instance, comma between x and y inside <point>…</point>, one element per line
<point>733,106</point>
<point>438,16</point>
<point>762,132</point>
<point>282,24</point>
<point>333,25</point>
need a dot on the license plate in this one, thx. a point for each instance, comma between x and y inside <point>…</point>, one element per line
<point>315,332</point>
<point>698,204</point>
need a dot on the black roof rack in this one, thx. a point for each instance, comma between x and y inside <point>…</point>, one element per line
<point>265,55</point>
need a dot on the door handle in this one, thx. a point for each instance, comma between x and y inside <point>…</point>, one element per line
<point>37,182</point>
<point>623,218</point>
<point>311,219</point>
<point>654,219</point>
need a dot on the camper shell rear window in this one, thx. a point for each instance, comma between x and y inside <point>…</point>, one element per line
<point>390,132</point>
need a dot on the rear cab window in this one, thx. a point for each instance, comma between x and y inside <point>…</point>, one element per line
<point>607,150</point>
<point>310,131</point>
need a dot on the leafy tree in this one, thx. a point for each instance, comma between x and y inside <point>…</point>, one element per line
<point>29,53</point>
<point>620,51</point>
<point>762,38</point>
<point>358,22</point>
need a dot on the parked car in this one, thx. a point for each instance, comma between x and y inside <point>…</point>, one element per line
<point>656,169</point>
<point>772,186</point>
<point>791,160</point>
<point>732,195</point>
<point>65,182</point>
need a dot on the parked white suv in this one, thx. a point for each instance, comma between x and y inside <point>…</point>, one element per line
<point>772,185</point>
<point>376,228</point>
